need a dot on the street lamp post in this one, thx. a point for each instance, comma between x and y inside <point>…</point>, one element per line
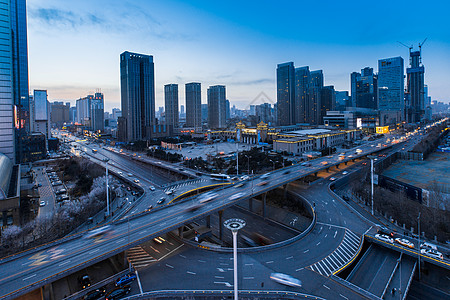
<point>371,157</point>
<point>234,225</point>
<point>248,164</point>
<point>273,164</point>
<point>107,187</point>
<point>237,158</point>
<point>400,268</point>
<point>418,225</point>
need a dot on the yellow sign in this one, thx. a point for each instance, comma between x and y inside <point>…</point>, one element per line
<point>382,129</point>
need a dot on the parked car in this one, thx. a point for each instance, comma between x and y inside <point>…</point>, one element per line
<point>84,281</point>
<point>118,292</point>
<point>125,279</point>
<point>95,294</point>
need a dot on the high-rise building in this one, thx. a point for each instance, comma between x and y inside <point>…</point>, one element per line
<point>313,107</point>
<point>116,113</point>
<point>216,106</point>
<point>415,87</point>
<point>41,116</point>
<point>171,106</point>
<point>264,113</point>
<point>327,101</point>
<point>137,84</point>
<point>204,113</point>
<point>97,115</point>
<point>342,100</point>
<point>194,105</point>
<point>391,84</point>
<point>286,94</point>
<point>227,109</point>
<point>302,79</point>
<point>73,114</point>
<point>8,109</point>
<point>364,88</point>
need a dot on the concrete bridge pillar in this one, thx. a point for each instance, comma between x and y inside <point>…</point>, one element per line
<point>220,224</point>
<point>180,231</point>
<point>208,221</point>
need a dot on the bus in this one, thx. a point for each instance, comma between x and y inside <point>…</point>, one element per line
<point>220,177</point>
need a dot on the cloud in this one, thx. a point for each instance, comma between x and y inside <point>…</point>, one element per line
<point>58,17</point>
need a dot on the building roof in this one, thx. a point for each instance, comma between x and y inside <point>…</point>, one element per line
<point>310,131</point>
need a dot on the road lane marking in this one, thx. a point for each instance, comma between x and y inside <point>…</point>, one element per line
<point>29,277</point>
<point>249,264</point>
<point>318,244</point>
<point>220,270</point>
<point>269,262</point>
<point>306,251</point>
<point>226,283</point>
<point>219,277</point>
<point>93,251</point>
<point>202,261</point>
<point>120,241</point>
<point>167,265</point>
<point>326,235</point>
<point>335,234</point>
<point>326,287</point>
<point>192,273</point>
<point>299,269</point>
<point>249,277</point>
<point>343,296</point>
<point>290,257</point>
<point>182,255</point>
<point>154,249</point>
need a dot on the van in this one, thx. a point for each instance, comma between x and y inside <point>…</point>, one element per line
<point>426,245</point>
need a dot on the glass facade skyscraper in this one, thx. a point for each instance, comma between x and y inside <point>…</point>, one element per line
<point>391,84</point>
<point>364,88</point>
<point>416,87</point>
<point>216,106</point>
<point>171,106</point>
<point>286,94</point>
<point>302,78</point>
<point>193,105</point>
<point>137,86</point>
<point>8,112</point>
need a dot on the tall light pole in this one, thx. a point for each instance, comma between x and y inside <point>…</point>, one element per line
<point>400,268</point>
<point>234,225</point>
<point>273,164</point>
<point>237,158</point>
<point>107,187</point>
<point>248,164</point>
<point>371,157</point>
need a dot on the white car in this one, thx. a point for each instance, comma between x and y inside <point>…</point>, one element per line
<point>344,173</point>
<point>332,178</point>
<point>245,177</point>
<point>120,173</point>
<point>152,188</point>
<point>42,203</point>
<point>404,242</point>
<point>98,231</point>
<point>235,196</point>
<point>208,197</point>
<point>265,176</point>
<point>169,192</point>
<point>285,279</point>
<point>384,238</point>
<point>432,253</point>
<point>136,180</point>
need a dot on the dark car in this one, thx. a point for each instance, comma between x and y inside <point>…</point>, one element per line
<point>160,201</point>
<point>85,281</point>
<point>96,294</point>
<point>118,293</point>
<point>125,279</point>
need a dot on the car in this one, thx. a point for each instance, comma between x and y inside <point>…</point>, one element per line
<point>129,174</point>
<point>262,183</point>
<point>286,172</point>
<point>332,178</point>
<point>265,176</point>
<point>158,240</point>
<point>161,200</point>
<point>99,231</point>
<point>432,253</point>
<point>136,180</point>
<point>42,203</point>
<point>120,173</point>
<point>152,188</point>
<point>240,184</point>
<point>404,242</point>
<point>128,188</point>
<point>84,281</point>
<point>149,207</point>
<point>344,173</point>
<point>285,279</point>
<point>386,231</point>
<point>125,279</point>
<point>118,293</point>
<point>384,238</point>
<point>169,192</point>
<point>426,245</point>
<point>235,196</point>
<point>245,177</point>
<point>95,294</point>
<point>194,207</point>
<point>208,197</point>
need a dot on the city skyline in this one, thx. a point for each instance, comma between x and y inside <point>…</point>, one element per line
<point>243,57</point>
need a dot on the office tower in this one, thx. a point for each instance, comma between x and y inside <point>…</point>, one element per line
<point>204,112</point>
<point>97,112</point>
<point>72,114</point>
<point>285,94</point>
<point>227,109</point>
<point>342,100</point>
<point>59,113</point>
<point>264,113</point>
<point>302,79</point>
<point>137,84</point>
<point>313,106</point>
<point>41,113</point>
<point>116,113</point>
<point>84,110</point>
<point>181,110</point>
<point>252,111</point>
<point>171,106</point>
<point>216,106</point>
<point>8,110</point>
<point>391,84</point>
<point>353,78</point>
<point>364,88</point>
<point>194,105</point>
<point>327,101</point>
<point>415,87</point>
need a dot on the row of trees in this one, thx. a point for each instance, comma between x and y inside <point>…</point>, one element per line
<point>431,141</point>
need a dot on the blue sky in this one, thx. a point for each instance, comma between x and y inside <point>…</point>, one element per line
<point>74,46</point>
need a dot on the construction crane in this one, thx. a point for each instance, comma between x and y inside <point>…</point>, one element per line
<point>409,47</point>
<point>420,49</point>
